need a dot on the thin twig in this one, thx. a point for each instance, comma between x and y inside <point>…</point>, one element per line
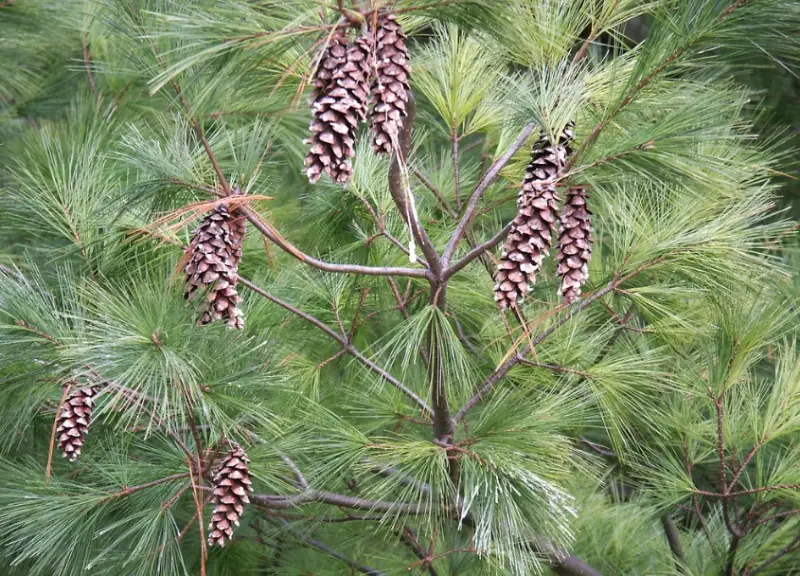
<point>87,63</point>
<point>454,139</point>
<point>146,485</point>
<point>791,547</point>
<point>342,340</point>
<point>490,177</point>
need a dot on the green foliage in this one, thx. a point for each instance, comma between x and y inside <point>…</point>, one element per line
<point>400,423</point>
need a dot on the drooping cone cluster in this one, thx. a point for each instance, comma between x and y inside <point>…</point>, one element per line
<point>391,88</point>
<point>341,91</point>
<point>74,420</point>
<point>532,230</point>
<point>231,485</point>
<point>574,244</point>
<point>213,263</point>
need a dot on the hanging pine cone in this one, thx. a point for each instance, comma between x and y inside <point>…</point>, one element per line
<point>340,102</point>
<point>531,234</point>
<point>74,420</point>
<point>231,485</point>
<point>213,262</point>
<point>391,88</point>
<point>574,244</point>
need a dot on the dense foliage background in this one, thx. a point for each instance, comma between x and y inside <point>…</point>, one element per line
<point>650,428</point>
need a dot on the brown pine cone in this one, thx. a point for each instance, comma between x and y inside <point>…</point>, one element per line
<point>214,256</point>
<point>231,485</point>
<point>531,234</point>
<point>74,420</point>
<point>337,111</point>
<point>391,89</point>
<point>574,244</point>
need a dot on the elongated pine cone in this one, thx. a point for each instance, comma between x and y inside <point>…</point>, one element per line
<point>574,244</point>
<point>74,420</point>
<point>531,234</point>
<point>340,103</point>
<point>391,89</point>
<point>231,485</point>
<point>213,262</point>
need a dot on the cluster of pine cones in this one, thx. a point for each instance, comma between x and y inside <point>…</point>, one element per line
<point>532,230</point>
<point>354,82</point>
<point>231,477</point>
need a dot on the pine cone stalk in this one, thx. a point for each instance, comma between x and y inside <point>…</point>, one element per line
<point>574,244</point>
<point>532,230</point>
<point>391,89</point>
<point>213,263</point>
<point>74,420</point>
<point>231,484</point>
<point>341,91</point>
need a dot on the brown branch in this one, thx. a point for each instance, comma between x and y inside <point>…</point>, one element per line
<point>779,515</point>
<point>279,502</point>
<point>729,494</point>
<point>87,63</point>
<point>555,368</point>
<point>746,461</point>
<point>490,177</point>
<point>723,473</point>
<point>343,341</point>
<point>145,486</point>
<point>269,232</point>
<point>478,251</point>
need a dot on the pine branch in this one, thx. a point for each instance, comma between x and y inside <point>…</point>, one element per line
<point>642,85</point>
<point>479,250</point>
<point>279,502</point>
<point>793,546</point>
<point>490,177</point>
<point>133,489</point>
<point>273,235</point>
<point>343,340</point>
<point>495,377</point>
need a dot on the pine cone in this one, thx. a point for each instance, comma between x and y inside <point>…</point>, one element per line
<point>340,103</point>
<point>231,485</point>
<point>74,421</point>
<point>214,256</point>
<point>531,234</point>
<point>391,88</point>
<point>574,244</point>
